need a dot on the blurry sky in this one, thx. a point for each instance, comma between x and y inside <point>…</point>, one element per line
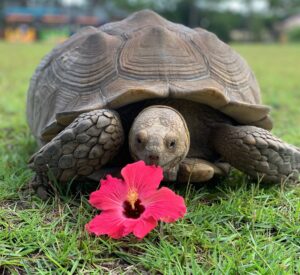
<point>236,5</point>
<point>233,5</point>
<point>73,2</point>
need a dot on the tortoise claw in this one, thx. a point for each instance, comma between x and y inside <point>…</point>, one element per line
<point>41,187</point>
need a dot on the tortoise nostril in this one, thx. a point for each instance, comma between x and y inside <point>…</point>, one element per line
<point>154,158</point>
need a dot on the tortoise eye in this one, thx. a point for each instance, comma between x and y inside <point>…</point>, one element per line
<point>172,144</point>
<point>170,141</point>
<point>141,137</point>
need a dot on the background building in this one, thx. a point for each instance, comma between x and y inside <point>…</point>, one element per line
<point>30,20</point>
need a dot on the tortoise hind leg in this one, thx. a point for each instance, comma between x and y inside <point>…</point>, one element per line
<point>257,152</point>
<point>82,148</point>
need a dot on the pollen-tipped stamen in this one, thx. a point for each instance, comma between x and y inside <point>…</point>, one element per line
<point>132,197</point>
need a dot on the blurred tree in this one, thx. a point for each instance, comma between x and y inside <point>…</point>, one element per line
<point>294,35</point>
<point>206,14</point>
<point>133,5</point>
<point>1,19</point>
<point>284,7</point>
<point>193,13</point>
<point>278,11</point>
<point>211,14</point>
<point>254,21</point>
<point>24,3</point>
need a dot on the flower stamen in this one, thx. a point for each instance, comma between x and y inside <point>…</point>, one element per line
<point>132,197</point>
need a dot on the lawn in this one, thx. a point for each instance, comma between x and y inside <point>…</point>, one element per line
<point>234,226</point>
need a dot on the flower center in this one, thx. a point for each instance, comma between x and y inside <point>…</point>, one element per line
<point>133,212</point>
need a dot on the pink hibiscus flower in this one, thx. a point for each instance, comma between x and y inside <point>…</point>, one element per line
<point>135,204</point>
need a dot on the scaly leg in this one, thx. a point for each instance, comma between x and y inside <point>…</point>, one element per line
<point>257,152</point>
<point>82,148</point>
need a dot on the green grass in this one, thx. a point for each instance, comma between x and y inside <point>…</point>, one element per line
<point>235,226</point>
<point>277,70</point>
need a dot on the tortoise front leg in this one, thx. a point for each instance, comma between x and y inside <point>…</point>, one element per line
<point>257,152</point>
<point>200,170</point>
<point>82,148</point>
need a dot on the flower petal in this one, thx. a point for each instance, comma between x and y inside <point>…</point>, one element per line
<point>164,205</point>
<point>111,195</point>
<point>108,222</point>
<point>144,226</point>
<point>116,226</point>
<point>144,178</point>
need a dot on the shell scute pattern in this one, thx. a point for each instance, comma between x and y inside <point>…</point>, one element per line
<point>89,64</point>
<point>155,52</point>
<point>227,68</point>
<point>141,57</point>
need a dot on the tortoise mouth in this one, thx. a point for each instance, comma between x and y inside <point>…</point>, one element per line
<point>157,162</point>
<point>152,162</point>
<point>166,165</point>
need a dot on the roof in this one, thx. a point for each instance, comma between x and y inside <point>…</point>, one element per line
<point>291,22</point>
<point>18,18</point>
<point>35,12</point>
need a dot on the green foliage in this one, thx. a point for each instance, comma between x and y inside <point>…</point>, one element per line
<point>234,226</point>
<point>207,14</point>
<point>220,23</point>
<point>284,7</point>
<point>294,35</point>
<point>158,5</point>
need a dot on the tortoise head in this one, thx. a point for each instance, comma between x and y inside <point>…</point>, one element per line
<point>159,135</point>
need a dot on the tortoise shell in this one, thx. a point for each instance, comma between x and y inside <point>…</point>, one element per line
<point>141,57</point>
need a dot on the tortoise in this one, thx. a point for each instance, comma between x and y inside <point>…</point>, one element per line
<point>145,88</point>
